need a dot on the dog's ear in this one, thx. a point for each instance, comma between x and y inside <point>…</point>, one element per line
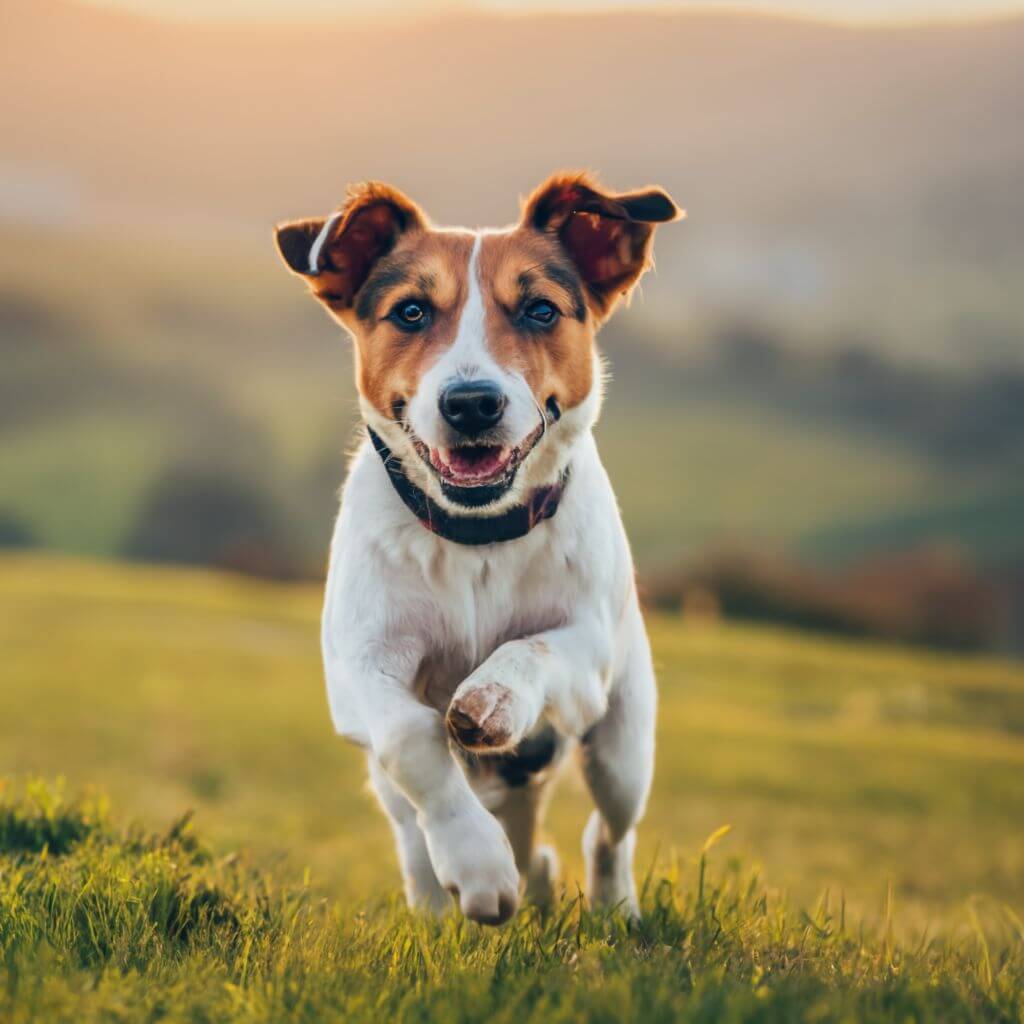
<point>336,253</point>
<point>607,234</point>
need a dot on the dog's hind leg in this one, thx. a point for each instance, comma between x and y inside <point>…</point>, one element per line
<point>617,757</point>
<point>519,813</point>
<point>518,795</point>
<point>422,889</point>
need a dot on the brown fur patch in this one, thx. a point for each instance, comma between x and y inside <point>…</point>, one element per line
<point>426,265</point>
<point>516,268</point>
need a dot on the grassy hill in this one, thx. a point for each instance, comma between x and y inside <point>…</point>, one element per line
<point>886,778</point>
<point>839,765</point>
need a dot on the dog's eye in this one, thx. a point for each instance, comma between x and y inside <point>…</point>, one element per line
<point>411,315</point>
<point>540,313</point>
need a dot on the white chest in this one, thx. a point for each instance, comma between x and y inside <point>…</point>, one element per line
<point>477,600</point>
<point>402,600</point>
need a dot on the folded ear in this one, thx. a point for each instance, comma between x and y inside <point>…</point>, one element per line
<point>608,235</point>
<point>336,253</point>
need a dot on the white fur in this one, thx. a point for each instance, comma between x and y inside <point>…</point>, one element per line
<point>412,622</point>
<point>320,242</point>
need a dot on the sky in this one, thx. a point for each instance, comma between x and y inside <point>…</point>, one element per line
<point>844,10</point>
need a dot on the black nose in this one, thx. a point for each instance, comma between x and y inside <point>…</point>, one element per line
<point>472,406</point>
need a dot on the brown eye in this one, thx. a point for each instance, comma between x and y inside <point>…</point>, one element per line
<point>540,314</point>
<point>411,315</point>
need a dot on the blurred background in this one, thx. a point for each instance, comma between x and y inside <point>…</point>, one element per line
<point>818,403</point>
<point>816,419</point>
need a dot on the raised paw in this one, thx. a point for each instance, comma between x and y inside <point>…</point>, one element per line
<point>484,718</point>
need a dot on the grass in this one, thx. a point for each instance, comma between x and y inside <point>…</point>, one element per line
<point>677,474</point>
<point>51,472</point>
<point>874,869</point>
<point>98,924</point>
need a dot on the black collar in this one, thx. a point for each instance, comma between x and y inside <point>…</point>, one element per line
<point>517,522</point>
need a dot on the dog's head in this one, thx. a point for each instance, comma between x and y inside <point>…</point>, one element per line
<point>475,354</point>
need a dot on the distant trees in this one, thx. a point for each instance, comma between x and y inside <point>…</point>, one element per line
<point>203,516</point>
<point>931,595</point>
<point>14,531</point>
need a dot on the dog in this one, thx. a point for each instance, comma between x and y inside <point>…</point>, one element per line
<point>481,616</point>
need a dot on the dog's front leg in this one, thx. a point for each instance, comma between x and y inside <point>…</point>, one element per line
<point>468,848</point>
<point>563,673</point>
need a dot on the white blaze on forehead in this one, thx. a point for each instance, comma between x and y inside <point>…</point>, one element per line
<point>468,355</point>
<point>469,358</point>
<point>321,241</point>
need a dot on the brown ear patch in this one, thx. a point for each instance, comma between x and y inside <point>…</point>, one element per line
<point>337,253</point>
<point>608,235</point>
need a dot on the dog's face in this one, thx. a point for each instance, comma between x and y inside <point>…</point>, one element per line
<point>475,354</point>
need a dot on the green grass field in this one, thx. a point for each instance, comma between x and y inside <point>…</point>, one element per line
<point>874,868</point>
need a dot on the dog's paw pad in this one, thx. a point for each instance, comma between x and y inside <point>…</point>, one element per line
<point>480,719</point>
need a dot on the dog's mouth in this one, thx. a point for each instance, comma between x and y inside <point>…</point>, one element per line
<point>476,474</point>
<point>471,465</point>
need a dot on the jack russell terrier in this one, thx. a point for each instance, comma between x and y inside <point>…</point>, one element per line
<point>481,614</point>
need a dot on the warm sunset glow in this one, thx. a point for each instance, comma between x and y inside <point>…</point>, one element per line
<point>843,10</point>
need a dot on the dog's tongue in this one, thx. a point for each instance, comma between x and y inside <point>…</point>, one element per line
<point>471,463</point>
